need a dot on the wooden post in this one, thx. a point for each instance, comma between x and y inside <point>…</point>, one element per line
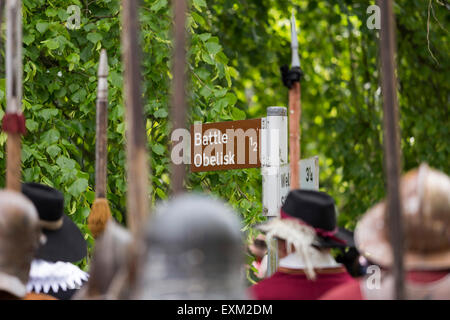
<point>13,121</point>
<point>178,110</point>
<point>295,109</point>
<point>392,141</point>
<point>295,112</point>
<point>137,166</point>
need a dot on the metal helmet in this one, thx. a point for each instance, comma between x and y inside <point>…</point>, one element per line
<point>110,259</point>
<point>194,251</point>
<point>19,239</point>
<point>425,196</point>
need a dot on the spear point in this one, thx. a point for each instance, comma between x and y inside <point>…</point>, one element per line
<point>103,65</point>
<point>102,89</point>
<point>294,43</point>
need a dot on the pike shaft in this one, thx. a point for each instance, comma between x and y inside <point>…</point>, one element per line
<point>14,56</point>
<point>13,162</point>
<point>178,112</point>
<point>101,152</point>
<point>137,171</point>
<point>392,141</point>
<point>13,90</point>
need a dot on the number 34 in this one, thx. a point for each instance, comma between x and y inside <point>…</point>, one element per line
<point>309,174</point>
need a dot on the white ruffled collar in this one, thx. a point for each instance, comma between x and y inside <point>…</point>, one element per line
<point>45,275</point>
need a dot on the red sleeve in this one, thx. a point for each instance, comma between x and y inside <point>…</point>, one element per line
<point>346,291</point>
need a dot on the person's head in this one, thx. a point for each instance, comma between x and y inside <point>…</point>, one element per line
<point>19,239</point>
<point>109,263</point>
<point>258,247</point>
<point>194,251</point>
<point>307,227</point>
<point>425,196</point>
<point>64,240</point>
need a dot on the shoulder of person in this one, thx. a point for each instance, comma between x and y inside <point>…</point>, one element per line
<point>350,290</point>
<point>38,296</point>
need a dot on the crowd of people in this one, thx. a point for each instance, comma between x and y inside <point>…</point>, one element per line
<point>192,247</point>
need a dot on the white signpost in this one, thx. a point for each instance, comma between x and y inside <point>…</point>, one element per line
<point>275,171</point>
<point>274,160</point>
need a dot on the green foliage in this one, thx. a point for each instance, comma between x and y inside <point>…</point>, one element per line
<point>236,49</point>
<point>60,84</point>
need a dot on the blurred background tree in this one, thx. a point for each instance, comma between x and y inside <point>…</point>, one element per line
<point>236,49</point>
<point>341,102</point>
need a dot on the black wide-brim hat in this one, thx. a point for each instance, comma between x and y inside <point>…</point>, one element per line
<point>64,241</point>
<point>345,237</point>
<point>309,211</point>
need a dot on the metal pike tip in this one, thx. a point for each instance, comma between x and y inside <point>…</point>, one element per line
<point>294,43</point>
<point>14,67</point>
<point>102,87</point>
<point>103,65</point>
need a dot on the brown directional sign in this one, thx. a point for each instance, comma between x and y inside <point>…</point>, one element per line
<point>225,145</point>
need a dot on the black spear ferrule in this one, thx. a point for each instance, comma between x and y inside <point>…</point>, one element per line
<point>290,76</point>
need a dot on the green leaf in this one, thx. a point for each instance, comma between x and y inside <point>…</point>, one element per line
<point>52,44</point>
<point>78,187</point>
<point>28,39</point>
<point>85,212</point>
<point>204,36</point>
<point>231,99</point>
<point>158,4</point>
<point>161,113</point>
<point>48,113</point>
<point>65,163</point>
<point>51,136</point>
<point>220,92</point>
<point>161,193</point>
<point>116,79</point>
<point>158,149</point>
<point>206,91</point>
<point>73,87</point>
<point>79,96</point>
<point>238,114</point>
<point>198,4</point>
<point>53,150</point>
<point>199,19</point>
<point>94,37</point>
<point>73,58</point>
<point>42,26</point>
<point>31,174</point>
<point>31,125</point>
<point>51,12</point>
<point>203,74</point>
<point>213,47</point>
<point>90,196</point>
